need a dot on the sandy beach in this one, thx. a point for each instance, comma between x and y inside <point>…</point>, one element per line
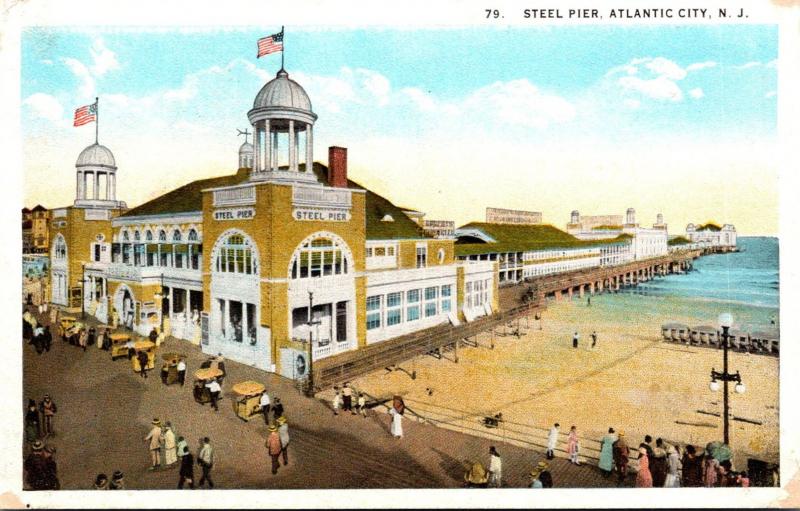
<point>632,381</point>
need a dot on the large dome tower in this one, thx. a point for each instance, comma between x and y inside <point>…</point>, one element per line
<point>281,116</point>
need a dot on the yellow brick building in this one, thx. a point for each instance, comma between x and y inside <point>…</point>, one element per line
<point>283,252</point>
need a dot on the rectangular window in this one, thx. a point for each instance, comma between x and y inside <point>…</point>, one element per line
<point>96,252</point>
<point>373,320</point>
<point>431,292</point>
<point>393,317</point>
<point>374,303</point>
<point>447,290</point>
<point>380,251</point>
<point>341,321</point>
<point>412,313</point>
<point>369,251</point>
<point>412,296</point>
<point>394,299</point>
<point>430,309</point>
<point>422,257</point>
<point>446,305</point>
<point>327,263</point>
<point>390,251</point>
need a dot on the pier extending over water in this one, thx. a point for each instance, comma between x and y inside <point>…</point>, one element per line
<point>516,302</point>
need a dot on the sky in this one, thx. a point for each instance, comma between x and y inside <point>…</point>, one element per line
<point>679,120</point>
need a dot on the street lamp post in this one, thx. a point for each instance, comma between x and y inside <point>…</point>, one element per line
<point>311,323</point>
<point>725,322</point>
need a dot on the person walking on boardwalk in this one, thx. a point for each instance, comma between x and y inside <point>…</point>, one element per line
<point>49,410</point>
<point>621,453</point>
<point>182,371</point>
<point>40,469</point>
<point>214,390</point>
<point>187,468</point>
<point>575,340</point>
<point>283,433</point>
<point>170,453</point>
<point>143,360</point>
<point>347,398</point>
<point>495,468</point>
<point>606,461</point>
<point>361,405</point>
<point>277,408</point>
<point>101,482</point>
<point>337,401</point>
<point>206,461</point>
<point>692,474</point>
<point>117,481</point>
<point>153,440</point>
<point>573,445</point>
<point>594,339</point>
<point>658,464</point>
<point>673,479</point>
<point>273,446</point>
<point>552,441</point>
<point>643,477</point>
<point>32,424</point>
<point>264,405</point>
<point>396,411</point>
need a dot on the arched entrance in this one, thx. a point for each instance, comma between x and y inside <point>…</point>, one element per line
<point>125,306</point>
<point>59,284</point>
<point>235,324</point>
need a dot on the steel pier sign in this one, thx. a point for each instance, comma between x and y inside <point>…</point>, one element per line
<point>234,213</point>
<point>321,214</point>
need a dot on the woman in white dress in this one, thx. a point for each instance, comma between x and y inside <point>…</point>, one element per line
<point>397,423</point>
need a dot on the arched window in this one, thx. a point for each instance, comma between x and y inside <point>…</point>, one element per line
<point>148,236</point>
<point>60,248</point>
<point>176,235</point>
<point>125,236</point>
<point>320,257</point>
<point>192,235</point>
<point>162,235</point>
<point>137,236</point>
<point>235,255</point>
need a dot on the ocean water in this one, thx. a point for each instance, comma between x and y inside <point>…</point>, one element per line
<point>744,283</point>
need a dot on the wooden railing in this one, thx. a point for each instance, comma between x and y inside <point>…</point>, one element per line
<point>350,365</point>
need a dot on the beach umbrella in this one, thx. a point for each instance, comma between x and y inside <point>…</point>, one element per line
<point>719,451</point>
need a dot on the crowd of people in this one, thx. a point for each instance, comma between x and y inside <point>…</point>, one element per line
<point>665,465</point>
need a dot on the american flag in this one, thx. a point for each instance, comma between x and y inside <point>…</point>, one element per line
<point>85,115</point>
<point>271,44</point>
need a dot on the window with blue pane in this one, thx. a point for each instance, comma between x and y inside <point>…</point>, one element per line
<point>412,313</point>
<point>446,290</point>
<point>430,309</point>
<point>373,320</point>
<point>393,317</point>
<point>412,296</point>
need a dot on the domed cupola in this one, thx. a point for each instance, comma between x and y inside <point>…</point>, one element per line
<point>96,171</point>
<point>281,118</point>
<point>246,156</point>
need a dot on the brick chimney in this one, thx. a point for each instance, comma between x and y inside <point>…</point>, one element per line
<point>337,166</point>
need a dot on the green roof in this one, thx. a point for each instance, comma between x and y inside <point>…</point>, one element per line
<point>523,238</point>
<point>189,198</point>
<point>678,240</point>
<point>710,226</point>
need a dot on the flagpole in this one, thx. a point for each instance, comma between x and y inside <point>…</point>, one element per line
<point>96,118</point>
<point>283,46</point>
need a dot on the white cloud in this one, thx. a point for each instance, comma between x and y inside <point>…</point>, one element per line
<point>656,78</point>
<point>104,59</point>
<point>748,65</point>
<point>771,94</point>
<point>519,102</point>
<point>79,69</point>
<point>45,106</point>
<point>697,66</point>
<point>632,103</point>
<point>696,93</point>
<point>666,68</point>
<point>661,88</point>
<point>375,84</point>
<point>424,101</point>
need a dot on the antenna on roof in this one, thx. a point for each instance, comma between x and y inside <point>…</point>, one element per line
<point>246,133</point>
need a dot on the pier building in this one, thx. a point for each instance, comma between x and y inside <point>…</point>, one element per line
<point>283,257</point>
<point>645,242</point>
<point>710,235</point>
